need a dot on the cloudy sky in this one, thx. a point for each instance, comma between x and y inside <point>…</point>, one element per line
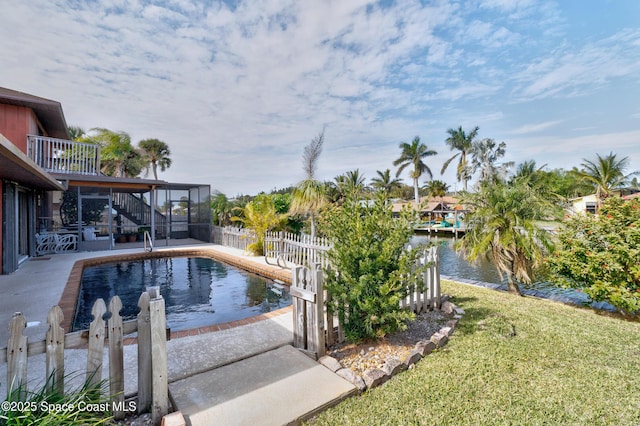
<point>238,88</point>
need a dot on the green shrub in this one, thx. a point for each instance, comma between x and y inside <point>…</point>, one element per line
<point>46,406</point>
<point>371,266</point>
<point>601,254</point>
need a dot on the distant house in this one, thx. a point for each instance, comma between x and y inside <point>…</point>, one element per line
<point>431,208</point>
<point>589,203</point>
<point>53,196</point>
<point>585,204</point>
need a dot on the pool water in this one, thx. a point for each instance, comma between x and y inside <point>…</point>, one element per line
<point>197,291</point>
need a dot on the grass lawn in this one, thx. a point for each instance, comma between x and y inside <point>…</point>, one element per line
<point>564,365</point>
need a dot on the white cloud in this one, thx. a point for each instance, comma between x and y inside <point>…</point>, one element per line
<point>569,73</point>
<point>534,128</point>
<point>237,90</point>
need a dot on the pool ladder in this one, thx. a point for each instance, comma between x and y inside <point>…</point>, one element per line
<point>147,238</point>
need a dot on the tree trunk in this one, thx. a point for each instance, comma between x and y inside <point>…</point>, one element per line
<point>512,286</point>
<point>416,194</point>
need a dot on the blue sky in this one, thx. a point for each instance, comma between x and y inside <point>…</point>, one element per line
<point>238,88</point>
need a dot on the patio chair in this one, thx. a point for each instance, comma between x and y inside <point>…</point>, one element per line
<point>46,243</point>
<point>66,242</point>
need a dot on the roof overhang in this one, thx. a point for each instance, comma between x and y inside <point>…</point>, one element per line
<point>49,112</point>
<point>17,167</point>
<point>100,182</point>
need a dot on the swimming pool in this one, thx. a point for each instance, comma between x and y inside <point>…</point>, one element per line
<point>198,291</point>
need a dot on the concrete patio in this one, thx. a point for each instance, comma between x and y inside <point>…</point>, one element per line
<point>239,374</point>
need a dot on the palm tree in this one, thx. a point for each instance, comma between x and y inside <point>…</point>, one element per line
<point>605,174</point>
<point>76,133</point>
<point>459,140</point>
<point>436,188</point>
<point>118,157</point>
<point>309,194</point>
<point>221,208</point>
<point>349,184</point>
<point>503,228</point>
<point>385,182</point>
<point>485,153</point>
<point>156,154</point>
<point>260,215</point>
<point>412,155</point>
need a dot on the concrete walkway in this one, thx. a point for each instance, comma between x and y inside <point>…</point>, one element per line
<point>243,375</point>
<point>277,387</point>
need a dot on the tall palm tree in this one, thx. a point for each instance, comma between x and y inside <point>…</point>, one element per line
<point>503,227</point>
<point>385,182</point>
<point>309,194</point>
<point>459,140</point>
<point>412,155</point>
<point>485,154</point>
<point>156,154</point>
<point>605,174</point>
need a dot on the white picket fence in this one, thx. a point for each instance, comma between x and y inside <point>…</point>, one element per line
<point>232,236</point>
<point>153,393</point>
<point>286,249</point>
<point>314,329</point>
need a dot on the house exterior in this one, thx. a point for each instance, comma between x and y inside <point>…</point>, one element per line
<point>24,185</point>
<point>589,203</point>
<point>585,204</point>
<point>54,198</point>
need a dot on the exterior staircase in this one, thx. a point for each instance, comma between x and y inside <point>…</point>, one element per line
<point>137,210</point>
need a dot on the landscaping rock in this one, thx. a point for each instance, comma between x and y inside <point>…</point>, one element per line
<point>330,362</point>
<point>458,311</point>
<point>374,377</point>
<point>425,347</point>
<point>412,358</point>
<point>447,307</point>
<point>439,339</point>
<point>350,375</point>
<point>447,331</point>
<point>451,323</point>
<point>393,366</point>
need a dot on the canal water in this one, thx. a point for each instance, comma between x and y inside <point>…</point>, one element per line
<point>454,266</point>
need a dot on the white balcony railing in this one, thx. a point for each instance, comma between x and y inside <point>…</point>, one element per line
<point>63,156</point>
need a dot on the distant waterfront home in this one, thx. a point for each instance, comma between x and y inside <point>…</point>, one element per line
<point>432,208</point>
<point>54,198</point>
<point>588,203</point>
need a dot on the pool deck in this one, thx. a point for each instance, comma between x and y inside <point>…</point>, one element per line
<point>215,372</point>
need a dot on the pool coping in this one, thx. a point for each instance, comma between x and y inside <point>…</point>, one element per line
<point>69,297</point>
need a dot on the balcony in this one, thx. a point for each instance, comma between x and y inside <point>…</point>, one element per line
<point>63,156</point>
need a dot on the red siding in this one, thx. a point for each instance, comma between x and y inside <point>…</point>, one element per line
<point>16,123</point>
<point>1,220</point>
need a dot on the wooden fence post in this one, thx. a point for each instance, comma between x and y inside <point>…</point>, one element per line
<point>96,343</point>
<point>316,318</point>
<point>308,310</point>
<point>55,350</point>
<point>17,357</point>
<point>299,278</point>
<point>428,280</point>
<point>144,355</point>
<point>160,382</point>
<point>436,276</point>
<point>116,357</point>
